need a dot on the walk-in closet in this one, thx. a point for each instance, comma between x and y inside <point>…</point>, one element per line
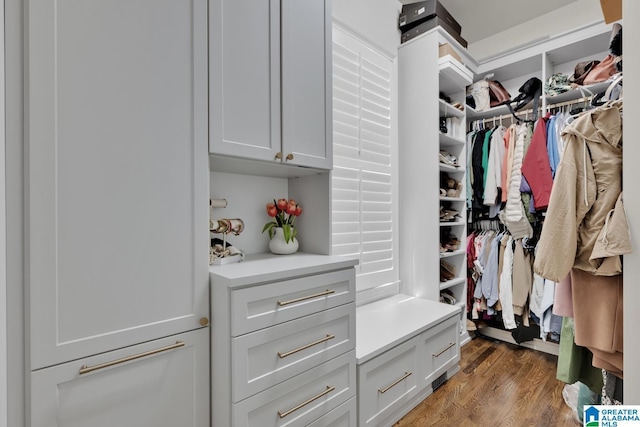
<point>415,212</point>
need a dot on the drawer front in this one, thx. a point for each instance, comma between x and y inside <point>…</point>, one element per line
<point>301,399</point>
<point>267,305</point>
<point>343,416</point>
<point>387,381</point>
<point>266,357</point>
<point>440,349</point>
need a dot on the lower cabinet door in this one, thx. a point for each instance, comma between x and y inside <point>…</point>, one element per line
<point>161,383</point>
<point>386,382</point>
<point>440,349</point>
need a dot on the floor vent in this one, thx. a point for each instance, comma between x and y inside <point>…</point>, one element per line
<point>439,381</point>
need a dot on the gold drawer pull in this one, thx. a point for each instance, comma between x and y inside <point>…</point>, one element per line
<point>283,414</point>
<point>451,344</point>
<point>389,387</point>
<point>304,347</point>
<point>292,301</point>
<point>84,369</point>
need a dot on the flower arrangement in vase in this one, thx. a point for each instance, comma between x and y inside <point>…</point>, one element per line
<point>282,233</point>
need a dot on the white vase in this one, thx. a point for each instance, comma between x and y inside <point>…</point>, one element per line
<point>278,246</point>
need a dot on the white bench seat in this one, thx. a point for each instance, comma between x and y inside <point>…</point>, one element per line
<point>403,345</point>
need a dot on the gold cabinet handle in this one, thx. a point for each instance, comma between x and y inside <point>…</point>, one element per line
<point>279,155</point>
<point>292,301</point>
<point>451,344</point>
<point>204,321</point>
<point>84,369</point>
<point>396,382</point>
<point>304,347</point>
<point>290,156</point>
<point>283,414</point>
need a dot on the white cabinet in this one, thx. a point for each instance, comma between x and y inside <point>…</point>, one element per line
<point>407,347</point>
<point>117,182</point>
<point>270,81</point>
<point>116,195</point>
<point>283,341</point>
<point>152,384</point>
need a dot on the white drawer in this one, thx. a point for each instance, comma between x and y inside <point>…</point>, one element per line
<point>302,399</point>
<point>440,349</point>
<point>387,381</point>
<point>159,383</point>
<point>343,416</point>
<point>262,306</point>
<point>266,357</point>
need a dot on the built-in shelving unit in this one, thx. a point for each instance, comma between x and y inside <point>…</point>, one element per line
<point>423,108</point>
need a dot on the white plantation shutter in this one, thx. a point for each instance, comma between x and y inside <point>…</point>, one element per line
<point>363,172</point>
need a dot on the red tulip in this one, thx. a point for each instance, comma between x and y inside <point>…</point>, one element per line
<point>271,210</point>
<point>282,204</point>
<point>298,210</point>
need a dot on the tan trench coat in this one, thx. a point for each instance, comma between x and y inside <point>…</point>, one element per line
<point>585,210</point>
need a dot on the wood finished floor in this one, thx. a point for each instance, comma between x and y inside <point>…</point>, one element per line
<point>499,384</point>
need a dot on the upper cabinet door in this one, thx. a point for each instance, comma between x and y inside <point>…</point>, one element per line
<point>306,83</point>
<point>244,66</point>
<point>117,185</point>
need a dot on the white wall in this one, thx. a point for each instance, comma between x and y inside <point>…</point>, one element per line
<point>631,175</point>
<point>575,15</point>
<point>247,196</point>
<point>376,20</point>
<point>3,244</point>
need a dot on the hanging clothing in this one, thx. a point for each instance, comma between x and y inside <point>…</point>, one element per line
<point>507,159</point>
<point>469,175</point>
<point>552,143</point>
<point>513,215</point>
<point>586,189</point>
<point>477,168</point>
<point>536,168</point>
<point>597,307</point>
<point>506,284</point>
<point>522,281</point>
<point>492,189</point>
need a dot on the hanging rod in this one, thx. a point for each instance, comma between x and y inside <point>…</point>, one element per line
<point>528,111</point>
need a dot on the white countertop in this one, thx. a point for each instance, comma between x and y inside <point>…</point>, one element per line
<point>261,268</point>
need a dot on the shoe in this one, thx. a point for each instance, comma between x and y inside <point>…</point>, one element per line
<point>447,271</point>
<point>452,245</point>
<point>449,215</point>
<point>448,159</point>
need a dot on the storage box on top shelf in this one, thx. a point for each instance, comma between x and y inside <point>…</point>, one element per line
<point>416,13</point>
<point>428,25</point>
<point>446,49</point>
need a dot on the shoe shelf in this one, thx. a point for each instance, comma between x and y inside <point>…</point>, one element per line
<point>453,282</point>
<point>447,168</point>
<point>452,199</point>
<point>451,254</point>
<point>451,223</point>
<point>450,141</point>
<point>448,110</point>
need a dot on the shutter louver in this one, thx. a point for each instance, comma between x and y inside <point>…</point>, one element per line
<point>362,176</point>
